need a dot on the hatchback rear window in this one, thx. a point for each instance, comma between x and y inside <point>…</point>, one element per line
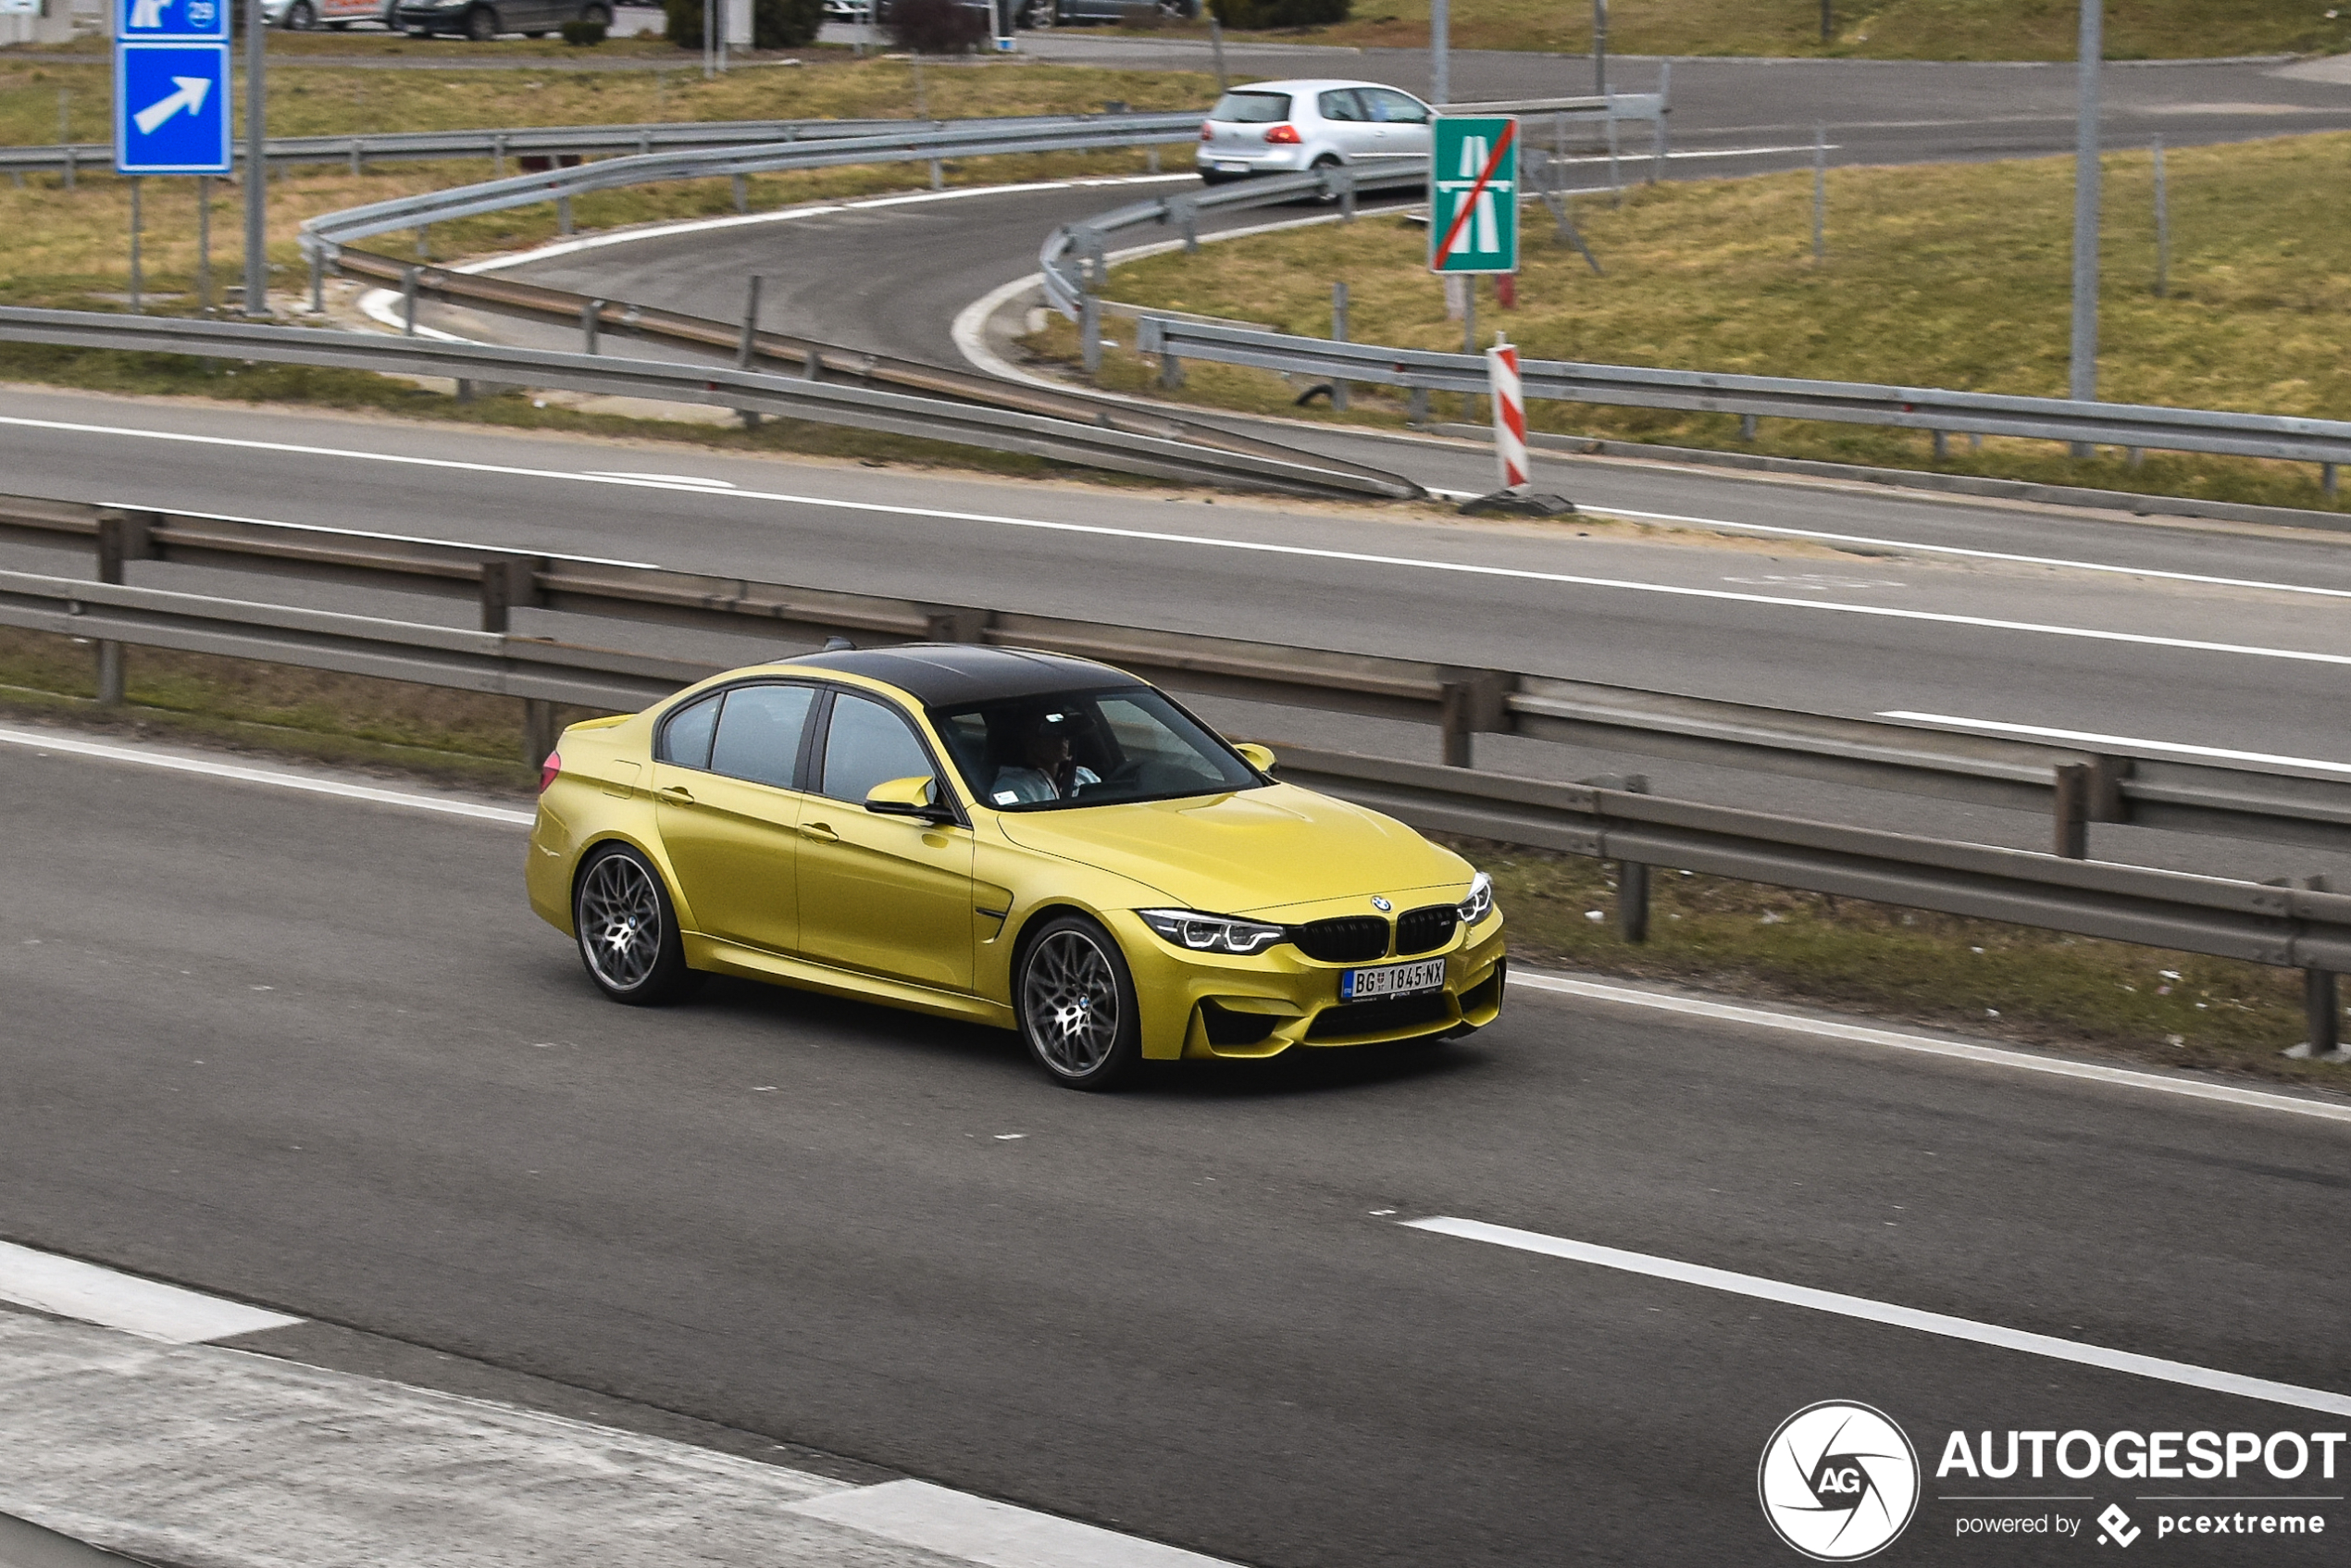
<point>1252,108</point>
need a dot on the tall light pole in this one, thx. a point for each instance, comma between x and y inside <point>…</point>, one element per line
<point>1440,44</point>
<point>256,166</point>
<point>1600,47</point>
<point>2083,385</point>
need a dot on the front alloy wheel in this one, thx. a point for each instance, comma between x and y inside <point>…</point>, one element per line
<point>628,930</point>
<point>1076,1005</point>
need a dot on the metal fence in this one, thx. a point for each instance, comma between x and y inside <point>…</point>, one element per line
<point>2075,787</point>
<point>356,151</point>
<point>2288,928</point>
<point>1161,449</point>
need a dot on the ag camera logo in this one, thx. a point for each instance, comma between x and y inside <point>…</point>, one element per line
<point>1838,1481</point>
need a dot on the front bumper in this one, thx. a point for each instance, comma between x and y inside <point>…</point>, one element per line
<point>1199,1004</point>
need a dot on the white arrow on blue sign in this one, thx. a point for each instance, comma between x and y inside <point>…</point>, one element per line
<point>171,20</point>
<point>171,109</point>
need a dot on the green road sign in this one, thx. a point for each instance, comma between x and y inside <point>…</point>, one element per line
<point>1473,187</point>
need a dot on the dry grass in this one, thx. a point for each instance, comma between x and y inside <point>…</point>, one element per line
<point>2008,982</point>
<point>1898,30</point>
<point>1946,275</point>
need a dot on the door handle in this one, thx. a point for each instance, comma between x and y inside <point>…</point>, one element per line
<point>675,792</point>
<point>820,831</point>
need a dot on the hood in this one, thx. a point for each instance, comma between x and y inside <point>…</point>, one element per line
<point>1250,851</point>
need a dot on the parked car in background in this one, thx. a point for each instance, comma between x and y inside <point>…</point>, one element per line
<point>482,21</point>
<point>1069,12</point>
<point>301,16</point>
<point>1290,126</point>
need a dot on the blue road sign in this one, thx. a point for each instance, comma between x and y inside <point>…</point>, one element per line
<point>171,109</point>
<point>164,21</point>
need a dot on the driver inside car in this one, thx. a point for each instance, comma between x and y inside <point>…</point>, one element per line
<point>1047,771</point>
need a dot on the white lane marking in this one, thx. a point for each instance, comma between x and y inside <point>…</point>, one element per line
<point>1864,1034</point>
<point>2217,753</point>
<point>1154,536</point>
<point>1862,1307</point>
<point>68,1287</point>
<point>683,481</point>
<point>210,769</point>
<point>974,1529</point>
<point>1636,157</point>
<point>1598,509</point>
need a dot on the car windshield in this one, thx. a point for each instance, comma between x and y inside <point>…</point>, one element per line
<point>1087,748</point>
<point>1251,109</point>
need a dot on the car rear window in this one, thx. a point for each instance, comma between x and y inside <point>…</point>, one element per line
<point>1251,109</point>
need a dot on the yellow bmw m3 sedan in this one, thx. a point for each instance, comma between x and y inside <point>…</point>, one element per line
<point>1024,839</point>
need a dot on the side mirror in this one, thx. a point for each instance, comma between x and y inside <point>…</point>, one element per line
<point>914,797</point>
<point>1257,756</point>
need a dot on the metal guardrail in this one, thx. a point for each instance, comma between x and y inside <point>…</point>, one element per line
<point>810,359</point>
<point>357,150</point>
<point>2279,926</point>
<point>322,235</point>
<point>2138,426</point>
<point>2075,787</point>
<point>1161,449</point>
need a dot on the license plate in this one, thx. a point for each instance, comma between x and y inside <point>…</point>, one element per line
<point>1391,979</point>
<point>1232,168</point>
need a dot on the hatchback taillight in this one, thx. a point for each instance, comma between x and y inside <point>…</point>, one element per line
<point>549,769</point>
<point>1208,133</point>
<point>1286,135</point>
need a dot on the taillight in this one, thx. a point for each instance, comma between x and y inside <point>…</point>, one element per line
<point>1208,133</point>
<point>1286,135</point>
<point>548,769</point>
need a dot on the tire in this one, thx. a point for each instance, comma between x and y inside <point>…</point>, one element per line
<point>1070,974</point>
<point>600,15</point>
<point>299,17</point>
<point>627,930</point>
<point>481,24</point>
<point>1324,198</point>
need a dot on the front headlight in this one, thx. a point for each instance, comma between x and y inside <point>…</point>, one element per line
<point>1211,933</point>
<point>1480,902</point>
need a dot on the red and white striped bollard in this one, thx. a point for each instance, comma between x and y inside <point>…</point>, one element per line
<point>1509,415</point>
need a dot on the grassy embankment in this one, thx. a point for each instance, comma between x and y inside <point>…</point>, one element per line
<point>1949,276</point>
<point>1885,30</point>
<point>69,248</point>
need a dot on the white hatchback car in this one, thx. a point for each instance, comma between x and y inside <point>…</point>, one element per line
<point>1290,126</point>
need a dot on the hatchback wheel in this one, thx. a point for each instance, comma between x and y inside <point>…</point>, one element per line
<point>481,24</point>
<point>1076,1005</point>
<point>628,929</point>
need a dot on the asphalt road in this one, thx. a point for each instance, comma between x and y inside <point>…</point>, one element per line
<point>318,1055</point>
<point>1857,632</point>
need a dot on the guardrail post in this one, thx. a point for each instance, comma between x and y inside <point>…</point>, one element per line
<point>73,160</point>
<point>2322,1011</point>
<point>812,363</point>
<point>538,729</point>
<point>1416,407</point>
<point>424,242</point>
<point>1747,426</point>
<point>1467,704</point>
<point>742,193</point>
<point>1150,155</point>
<point>937,176</point>
<point>2326,481</point>
<point>1338,335</point>
<point>1615,176</point>
<point>498,157</point>
<point>1090,328</point>
<point>408,301</point>
<point>954,625</point>
<point>591,318</point>
<point>563,213</point>
<point>354,155</point>
<point>318,283</point>
<point>1942,445</point>
<point>507,582</point>
<point>744,350</point>
<point>122,536</point>
<point>1665,94</point>
<point>2070,809</point>
<point>1632,880</point>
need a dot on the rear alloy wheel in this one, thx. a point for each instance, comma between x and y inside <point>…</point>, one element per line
<point>1327,198</point>
<point>481,24</point>
<point>1076,1005</point>
<point>628,929</point>
<point>300,18</point>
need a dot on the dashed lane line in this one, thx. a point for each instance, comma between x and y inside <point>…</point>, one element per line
<point>1866,1309</point>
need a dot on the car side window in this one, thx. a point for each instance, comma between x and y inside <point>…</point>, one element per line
<point>685,736</point>
<point>1395,108</point>
<point>868,744</point>
<point>1340,105</point>
<point>759,733</point>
